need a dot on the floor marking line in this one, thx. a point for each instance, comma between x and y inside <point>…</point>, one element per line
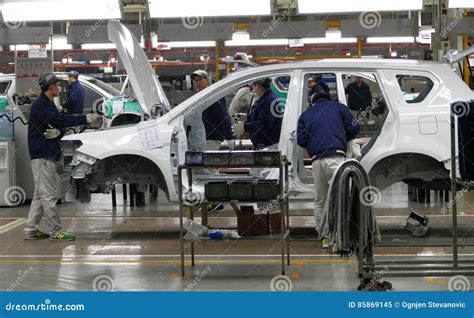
<point>12,225</point>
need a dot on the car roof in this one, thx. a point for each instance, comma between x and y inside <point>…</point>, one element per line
<point>360,63</point>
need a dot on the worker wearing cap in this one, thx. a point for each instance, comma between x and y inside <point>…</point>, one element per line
<point>316,82</point>
<point>75,100</point>
<point>264,120</point>
<point>46,126</point>
<point>216,118</point>
<point>324,130</point>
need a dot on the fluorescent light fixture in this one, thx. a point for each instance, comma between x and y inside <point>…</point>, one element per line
<point>391,39</point>
<point>96,62</point>
<point>98,46</point>
<point>266,42</point>
<point>332,36</point>
<point>19,47</point>
<point>461,4</point>
<point>61,10</point>
<point>185,44</point>
<point>59,43</point>
<point>240,36</point>
<point>193,9</point>
<point>338,6</point>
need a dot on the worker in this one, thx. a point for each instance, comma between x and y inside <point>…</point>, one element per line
<point>315,82</point>
<point>46,126</point>
<point>359,97</point>
<point>216,118</point>
<point>324,130</point>
<point>264,120</point>
<point>75,100</point>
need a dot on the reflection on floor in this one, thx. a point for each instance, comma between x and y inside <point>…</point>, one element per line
<point>137,249</point>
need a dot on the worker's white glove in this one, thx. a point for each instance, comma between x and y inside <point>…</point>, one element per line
<point>92,119</point>
<point>238,129</point>
<point>51,133</point>
<point>70,131</point>
<point>60,109</point>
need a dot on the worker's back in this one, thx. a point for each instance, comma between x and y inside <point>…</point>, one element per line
<point>325,128</point>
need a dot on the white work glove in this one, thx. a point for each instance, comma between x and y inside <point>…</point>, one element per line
<point>238,129</point>
<point>92,119</point>
<point>51,133</point>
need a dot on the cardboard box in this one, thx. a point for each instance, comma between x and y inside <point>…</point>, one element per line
<point>244,221</point>
<point>260,224</point>
<point>275,223</point>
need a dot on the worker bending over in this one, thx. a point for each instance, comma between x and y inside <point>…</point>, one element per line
<point>324,130</point>
<point>45,129</point>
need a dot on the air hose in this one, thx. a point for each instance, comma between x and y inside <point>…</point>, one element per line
<point>349,222</point>
<point>26,123</point>
<point>14,119</point>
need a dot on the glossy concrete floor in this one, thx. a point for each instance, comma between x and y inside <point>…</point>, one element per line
<point>137,249</point>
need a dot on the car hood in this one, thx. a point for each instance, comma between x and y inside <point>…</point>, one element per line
<point>145,84</point>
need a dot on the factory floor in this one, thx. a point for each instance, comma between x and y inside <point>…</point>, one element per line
<point>137,249</point>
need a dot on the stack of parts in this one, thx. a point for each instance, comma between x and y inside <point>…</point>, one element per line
<point>349,219</point>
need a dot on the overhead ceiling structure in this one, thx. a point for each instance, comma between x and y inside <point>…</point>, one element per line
<point>64,10</point>
<point>341,6</point>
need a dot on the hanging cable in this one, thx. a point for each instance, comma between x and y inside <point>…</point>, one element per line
<point>349,222</point>
<point>14,119</point>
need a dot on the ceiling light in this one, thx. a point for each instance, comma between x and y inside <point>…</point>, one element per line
<point>185,44</point>
<point>391,39</point>
<point>98,46</point>
<point>65,10</point>
<point>240,36</point>
<point>193,9</point>
<point>266,42</point>
<point>461,4</point>
<point>332,36</point>
<point>337,6</point>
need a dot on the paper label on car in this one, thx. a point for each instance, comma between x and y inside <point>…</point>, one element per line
<point>149,135</point>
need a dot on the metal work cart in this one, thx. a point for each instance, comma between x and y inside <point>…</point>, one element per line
<point>281,198</point>
<point>432,266</point>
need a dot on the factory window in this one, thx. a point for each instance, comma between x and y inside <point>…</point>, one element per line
<point>414,88</point>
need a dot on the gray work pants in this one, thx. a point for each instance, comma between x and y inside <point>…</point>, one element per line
<point>44,201</point>
<point>323,171</point>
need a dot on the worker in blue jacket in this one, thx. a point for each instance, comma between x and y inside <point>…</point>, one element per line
<point>324,130</point>
<point>216,119</point>
<point>75,100</point>
<point>263,123</point>
<point>46,126</point>
<point>316,82</point>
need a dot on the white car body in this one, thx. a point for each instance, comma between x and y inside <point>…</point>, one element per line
<point>412,143</point>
